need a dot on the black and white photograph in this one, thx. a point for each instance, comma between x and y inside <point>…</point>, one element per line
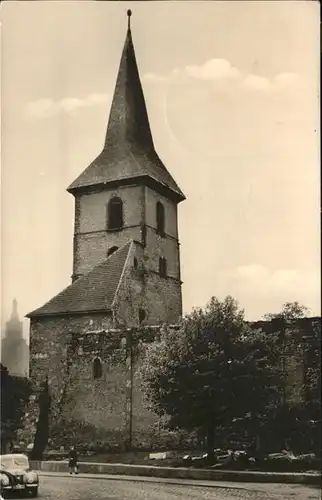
<point>160,250</point>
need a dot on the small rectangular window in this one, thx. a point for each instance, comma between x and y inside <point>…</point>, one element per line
<point>162,267</point>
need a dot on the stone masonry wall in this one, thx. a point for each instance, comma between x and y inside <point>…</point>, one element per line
<point>113,406</point>
<point>140,288</point>
<point>50,338</point>
<point>91,238</point>
<point>99,403</point>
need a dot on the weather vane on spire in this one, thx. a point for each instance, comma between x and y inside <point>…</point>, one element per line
<point>129,14</point>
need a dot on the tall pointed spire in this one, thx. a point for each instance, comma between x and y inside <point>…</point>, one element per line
<point>128,121</point>
<point>128,153</point>
<point>14,313</point>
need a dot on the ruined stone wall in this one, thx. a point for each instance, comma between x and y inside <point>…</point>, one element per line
<point>98,402</point>
<point>50,340</point>
<point>113,406</point>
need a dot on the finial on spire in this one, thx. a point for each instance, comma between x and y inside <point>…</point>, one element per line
<point>129,14</point>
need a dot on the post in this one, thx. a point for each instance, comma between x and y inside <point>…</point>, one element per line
<point>129,389</point>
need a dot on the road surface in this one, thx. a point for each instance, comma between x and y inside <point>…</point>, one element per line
<point>83,488</point>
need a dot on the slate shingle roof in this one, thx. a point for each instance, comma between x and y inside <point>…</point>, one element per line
<point>128,151</point>
<point>119,163</point>
<point>95,291</point>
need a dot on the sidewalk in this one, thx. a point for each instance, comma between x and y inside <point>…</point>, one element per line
<point>142,472</point>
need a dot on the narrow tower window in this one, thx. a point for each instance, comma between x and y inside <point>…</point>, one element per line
<point>141,315</point>
<point>97,368</point>
<point>135,263</point>
<point>160,218</point>
<point>115,214</point>
<point>163,267</point>
<point>111,250</point>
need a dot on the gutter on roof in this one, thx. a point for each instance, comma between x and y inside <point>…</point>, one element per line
<point>149,181</point>
<point>36,314</point>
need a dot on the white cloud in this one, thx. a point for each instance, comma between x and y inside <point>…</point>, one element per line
<point>212,70</point>
<point>215,70</point>
<point>278,82</point>
<point>44,108</point>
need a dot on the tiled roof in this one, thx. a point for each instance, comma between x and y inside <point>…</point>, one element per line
<point>94,291</point>
<point>128,151</point>
<point>121,162</point>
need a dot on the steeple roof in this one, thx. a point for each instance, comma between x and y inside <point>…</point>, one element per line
<point>128,154</point>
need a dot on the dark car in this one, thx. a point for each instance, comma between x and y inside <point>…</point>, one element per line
<point>17,476</point>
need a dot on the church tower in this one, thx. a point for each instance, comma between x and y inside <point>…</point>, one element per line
<point>86,341</point>
<point>125,195</point>
<point>126,192</point>
<point>14,348</point>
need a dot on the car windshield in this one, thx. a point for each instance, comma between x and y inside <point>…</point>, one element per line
<point>10,462</point>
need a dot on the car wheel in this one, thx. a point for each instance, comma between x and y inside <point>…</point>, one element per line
<point>33,493</point>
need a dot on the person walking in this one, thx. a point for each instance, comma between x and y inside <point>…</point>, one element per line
<point>73,464</point>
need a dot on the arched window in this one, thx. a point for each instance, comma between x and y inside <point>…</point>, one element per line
<point>141,315</point>
<point>97,368</point>
<point>111,250</point>
<point>160,218</point>
<point>163,267</point>
<point>115,214</point>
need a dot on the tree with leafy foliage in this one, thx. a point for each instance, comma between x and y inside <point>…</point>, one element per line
<point>15,393</point>
<point>213,370</point>
<point>290,311</point>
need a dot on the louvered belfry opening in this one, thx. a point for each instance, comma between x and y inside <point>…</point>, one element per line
<point>115,214</point>
<point>160,218</point>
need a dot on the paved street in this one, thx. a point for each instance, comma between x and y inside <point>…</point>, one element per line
<point>83,488</point>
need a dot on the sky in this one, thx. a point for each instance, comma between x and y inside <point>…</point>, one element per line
<point>232,91</point>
